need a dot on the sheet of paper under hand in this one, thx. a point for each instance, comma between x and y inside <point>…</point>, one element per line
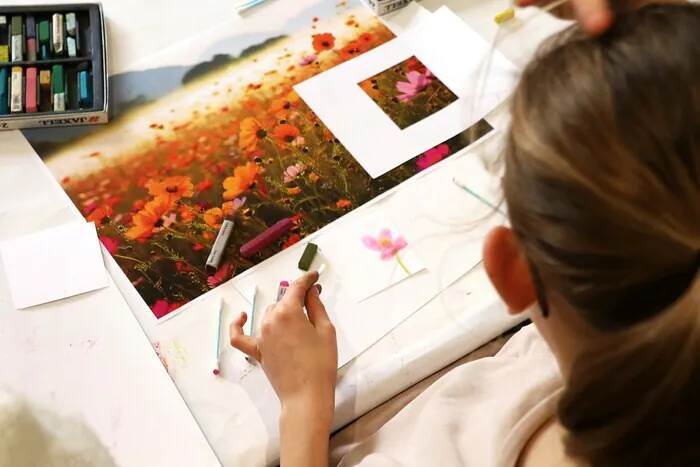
<point>53,264</point>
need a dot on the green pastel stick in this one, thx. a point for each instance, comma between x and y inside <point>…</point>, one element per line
<point>308,256</point>
<point>16,26</point>
<point>44,33</point>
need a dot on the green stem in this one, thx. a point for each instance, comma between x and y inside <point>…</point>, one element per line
<point>173,257</point>
<point>403,266</point>
<point>143,263</point>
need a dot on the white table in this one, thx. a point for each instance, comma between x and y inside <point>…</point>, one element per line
<point>465,316</point>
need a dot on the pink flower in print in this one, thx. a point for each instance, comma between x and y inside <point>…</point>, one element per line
<point>307,60</point>
<point>292,172</point>
<point>432,156</point>
<point>163,307</point>
<point>220,276</point>
<point>416,83</point>
<point>110,244</point>
<point>388,246</point>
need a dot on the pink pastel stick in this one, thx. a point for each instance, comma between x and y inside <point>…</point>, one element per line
<point>267,238</point>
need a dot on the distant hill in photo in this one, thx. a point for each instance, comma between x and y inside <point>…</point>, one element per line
<point>135,89</point>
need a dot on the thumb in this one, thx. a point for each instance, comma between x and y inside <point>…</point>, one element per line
<point>314,307</point>
<point>296,292</point>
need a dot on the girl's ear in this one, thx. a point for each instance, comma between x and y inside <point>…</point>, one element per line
<point>508,269</point>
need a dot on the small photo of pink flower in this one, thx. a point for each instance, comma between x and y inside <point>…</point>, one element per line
<point>416,83</point>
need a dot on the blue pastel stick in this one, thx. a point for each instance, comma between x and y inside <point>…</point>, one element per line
<point>85,90</point>
<point>4,92</point>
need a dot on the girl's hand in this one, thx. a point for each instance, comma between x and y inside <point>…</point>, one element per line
<point>298,354</point>
<point>595,16</point>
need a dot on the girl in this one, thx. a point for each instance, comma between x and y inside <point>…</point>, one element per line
<point>602,181</point>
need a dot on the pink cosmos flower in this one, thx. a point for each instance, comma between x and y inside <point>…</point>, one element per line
<point>292,172</point>
<point>110,244</point>
<point>432,156</point>
<point>220,276</point>
<point>307,60</point>
<point>169,220</point>
<point>386,244</point>
<point>163,307</point>
<point>416,83</point>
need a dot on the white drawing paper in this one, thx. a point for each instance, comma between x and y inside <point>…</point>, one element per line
<point>372,255</point>
<point>480,76</point>
<point>54,264</point>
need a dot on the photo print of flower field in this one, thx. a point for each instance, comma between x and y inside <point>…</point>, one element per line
<point>227,137</point>
<point>408,92</point>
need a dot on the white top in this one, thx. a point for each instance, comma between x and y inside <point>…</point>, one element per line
<point>480,414</point>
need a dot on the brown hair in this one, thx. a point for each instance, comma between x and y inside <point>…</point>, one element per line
<point>602,181</point>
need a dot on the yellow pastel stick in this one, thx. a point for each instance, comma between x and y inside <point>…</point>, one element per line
<point>505,15</point>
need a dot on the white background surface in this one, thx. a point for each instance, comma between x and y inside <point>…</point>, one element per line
<point>87,356</point>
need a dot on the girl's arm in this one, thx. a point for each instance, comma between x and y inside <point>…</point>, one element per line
<point>300,358</point>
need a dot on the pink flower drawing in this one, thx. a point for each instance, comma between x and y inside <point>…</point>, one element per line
<point>388,246</point>
<point>416,83</point>
<point>432,156</point>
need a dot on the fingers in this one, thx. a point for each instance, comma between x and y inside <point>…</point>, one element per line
<point>315,308</point>
<point>246,344</point>
<point>296,292</point>
<point>595,15</point>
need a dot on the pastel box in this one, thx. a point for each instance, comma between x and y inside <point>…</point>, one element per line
<point>53,66</point>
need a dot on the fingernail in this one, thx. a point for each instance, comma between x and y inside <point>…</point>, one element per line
<point>319,288</point>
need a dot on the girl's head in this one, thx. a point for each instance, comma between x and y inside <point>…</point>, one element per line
<point>602,182</point>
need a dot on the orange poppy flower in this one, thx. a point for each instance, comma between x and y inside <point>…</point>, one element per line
<point>204,185</point>
<point>243,178</point>
<point>280,108</point>
<point>286,132</point>
<point>351,50</point>
<point>99,215</point>
<point>292,240</point>
<point>343,204</point>
<point>187,214</point>
<point>172,187</point>
<point>214,217</point>
<point>321,42</point>
<point>250,134</point>
<point>293,97</point>
<point>366,38</point>
<point>149,219</point>
<point>313,177</point>
<point>294,191</point>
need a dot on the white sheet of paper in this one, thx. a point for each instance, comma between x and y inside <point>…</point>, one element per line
<point>375,245</point>
<point>480,76</point>
<point>54,264</point>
